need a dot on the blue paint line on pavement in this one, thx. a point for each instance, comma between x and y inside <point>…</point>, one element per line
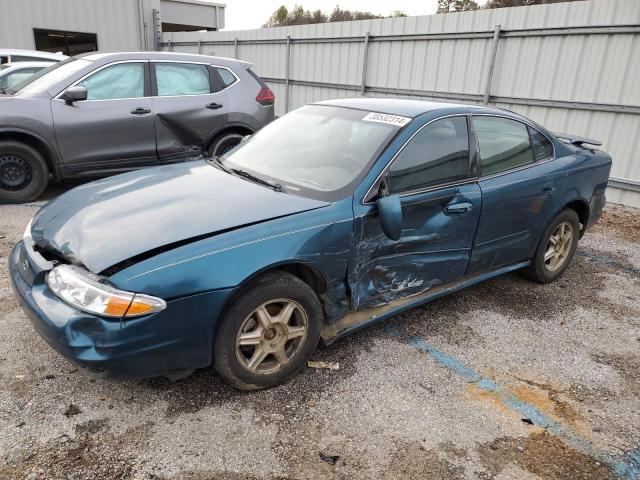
<point>627,468</point>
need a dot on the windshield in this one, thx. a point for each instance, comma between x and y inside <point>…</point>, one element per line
<point>316,151</point>
<point>48,77</point>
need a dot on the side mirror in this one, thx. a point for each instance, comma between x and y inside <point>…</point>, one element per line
<point>75,94</point>
<point>390,212</point>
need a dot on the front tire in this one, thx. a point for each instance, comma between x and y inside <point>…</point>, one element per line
<point>556,249</point>
<point>23,172</point>
<point>268,333</point>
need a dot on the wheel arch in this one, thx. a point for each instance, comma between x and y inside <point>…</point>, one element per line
<point>306,272</point>
<point>35,141</point>
<point>241,128</point>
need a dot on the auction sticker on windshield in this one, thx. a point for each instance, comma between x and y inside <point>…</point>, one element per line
<point>386,118</point>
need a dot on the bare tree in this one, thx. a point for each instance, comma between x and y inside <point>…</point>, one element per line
<point>299,16</point>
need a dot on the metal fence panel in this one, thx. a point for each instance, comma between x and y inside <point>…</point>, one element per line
<point>573,67</point>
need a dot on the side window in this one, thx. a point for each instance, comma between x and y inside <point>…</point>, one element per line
<point>226,77</point>
<point>503,143</point>
<point>437,154</point>
<point>123,80</point>
<point>542,147</point>
<point>175,79</point>
<point>14,78</point>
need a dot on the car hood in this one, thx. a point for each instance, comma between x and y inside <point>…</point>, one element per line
<point>103,223</point>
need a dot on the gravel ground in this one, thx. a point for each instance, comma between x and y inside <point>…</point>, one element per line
<point>448,390</point>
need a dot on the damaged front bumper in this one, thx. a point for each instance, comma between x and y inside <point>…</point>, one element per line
<point>176,339</point>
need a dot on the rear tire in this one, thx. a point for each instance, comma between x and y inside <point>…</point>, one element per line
<point>556,249</point>
<point>223,143</point>
<point>269,332</point>
<point>23,172</point>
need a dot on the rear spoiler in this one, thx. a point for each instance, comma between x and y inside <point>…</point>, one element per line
<point>576,140</point>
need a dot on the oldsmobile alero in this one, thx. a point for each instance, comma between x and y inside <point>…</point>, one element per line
<point>336,215</point>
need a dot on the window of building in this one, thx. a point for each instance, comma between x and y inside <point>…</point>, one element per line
<point>503,143</point>
<point>122,80</point>
<point>182,79</point>
<point>542,147</point>
<point>436,155</point>
<point>69,43</point>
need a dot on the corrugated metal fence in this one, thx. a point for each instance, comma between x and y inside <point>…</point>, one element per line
<point>573,67</point>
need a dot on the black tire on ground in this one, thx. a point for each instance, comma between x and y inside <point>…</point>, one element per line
<point>546,271</point>
<point>23,172</point>
<point>223,143</point>
<point>232,362</point>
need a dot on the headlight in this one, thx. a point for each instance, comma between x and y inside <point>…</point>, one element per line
<point>83,290</point>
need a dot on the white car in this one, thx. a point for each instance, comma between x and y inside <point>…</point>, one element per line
<point>12,74</point>
<point>8,55</point>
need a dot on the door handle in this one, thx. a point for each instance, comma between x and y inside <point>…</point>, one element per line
<point>549,187</point>
<point>213,106</point>
<point>458,209</point>
<point>140,111</point>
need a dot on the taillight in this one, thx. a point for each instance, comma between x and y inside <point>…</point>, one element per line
<point>266,96</point>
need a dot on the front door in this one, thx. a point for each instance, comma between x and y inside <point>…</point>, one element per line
<point>440,207</point>
<point>190,104</point>
<point>520,184</point>
<point>113,128</point>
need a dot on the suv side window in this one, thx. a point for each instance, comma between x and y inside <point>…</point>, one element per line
<point>437,154</point>
<point>12,79</point>
<point>174,79</point>
<point>225,77</point>
<point>122,80</point>
<point>542,147</point>
<point>504,144</point>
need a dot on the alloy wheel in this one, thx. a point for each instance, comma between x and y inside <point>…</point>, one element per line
<point>558,247</point>
<point>271,335</point>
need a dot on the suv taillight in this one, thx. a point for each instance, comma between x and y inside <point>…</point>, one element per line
<point>266,96</point>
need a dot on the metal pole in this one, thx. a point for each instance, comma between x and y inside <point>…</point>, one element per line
<point>235,48</point>
<point>199,46</point>
<point>170,46</point>
<point>365,55</point>
<point>286,78</point>
<point>492,63</point>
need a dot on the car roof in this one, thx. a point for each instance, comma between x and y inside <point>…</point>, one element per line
<point>175,56</point>
<point>32,53</point>
<point>44,63</point>
<point>401,106</point>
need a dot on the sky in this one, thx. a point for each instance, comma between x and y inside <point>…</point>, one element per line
<point>246,14</point>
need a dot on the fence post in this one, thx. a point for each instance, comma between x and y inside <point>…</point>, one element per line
<point>365,56</point>
<point>492,63</point>
<point>287,72</point>
<point>200,46</point>
<point>235,48</point>
<point>170,46</point>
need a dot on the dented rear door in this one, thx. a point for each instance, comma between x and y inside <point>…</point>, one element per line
<point>189,106</point>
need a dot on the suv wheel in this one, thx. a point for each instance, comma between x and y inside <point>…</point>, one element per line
<point>268,333</point>
<point>556,248</point>
<point>224,143</point>
<point>23,172</point>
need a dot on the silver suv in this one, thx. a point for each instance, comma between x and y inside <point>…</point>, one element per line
<point>99,114</point>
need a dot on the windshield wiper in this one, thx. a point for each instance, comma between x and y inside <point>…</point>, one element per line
<point>216,160</point>
<point>243,173</point>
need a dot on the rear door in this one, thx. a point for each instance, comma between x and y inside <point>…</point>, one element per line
<point>440,208</point>
<point>113,128</point>
<point>190,104</point>
<point>520,185</point>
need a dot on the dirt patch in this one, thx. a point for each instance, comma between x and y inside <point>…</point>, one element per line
<point>412,461</point>
<point>622,222</point>
<point>626,365</point>
<point>541,454</point>
<point>93,452</point>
